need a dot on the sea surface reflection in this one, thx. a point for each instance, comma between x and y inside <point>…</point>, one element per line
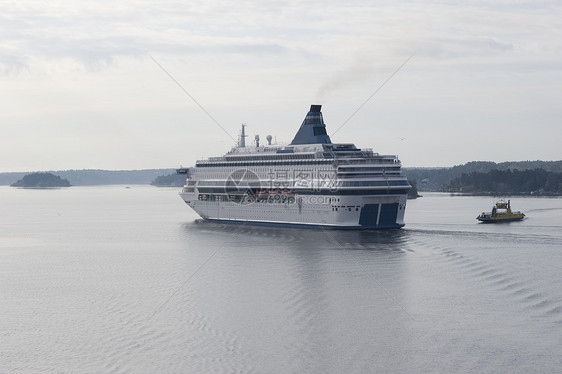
<point>108,279</point>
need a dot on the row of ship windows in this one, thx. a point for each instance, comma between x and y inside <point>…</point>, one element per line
<point>345,169</point>
<point>368,175</point>
<point>307,212</point>
<point>348,208</point>
<point>299,183</point>
<point>320,191</point>
<point>372,183</point>
<point>283,156</point>
<point>261,163</point>
<point>227,197</point>
<point>367,161</point>
<point>268,173</point>
<point>284,161</point>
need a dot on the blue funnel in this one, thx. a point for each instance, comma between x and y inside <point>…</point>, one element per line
<point>313,129</point>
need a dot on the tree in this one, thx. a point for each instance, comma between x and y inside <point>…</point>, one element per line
<point>41,180</point>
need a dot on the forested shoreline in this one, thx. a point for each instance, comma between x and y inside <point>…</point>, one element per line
<point>528,182</point>
<point>476,177</point>
<point>472,176</point>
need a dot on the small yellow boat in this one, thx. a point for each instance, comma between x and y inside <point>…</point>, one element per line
<point>501,212</point>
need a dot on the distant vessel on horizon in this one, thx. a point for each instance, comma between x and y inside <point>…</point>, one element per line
<point>310,182</point>
<point>501,212</point>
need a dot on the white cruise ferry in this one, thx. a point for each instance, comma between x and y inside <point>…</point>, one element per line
<point>311,182</point>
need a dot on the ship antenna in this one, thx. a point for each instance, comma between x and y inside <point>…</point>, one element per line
<point>192,98</point>
<point>373,94</point>
<point>242,142</point>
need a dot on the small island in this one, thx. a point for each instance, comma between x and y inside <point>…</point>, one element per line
<point>413,192</point>
<point>170,180</point>
<point>41,180</point>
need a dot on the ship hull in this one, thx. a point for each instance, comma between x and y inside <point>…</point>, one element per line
<point>310,211</point>
<point>304,226</point>
<point>500,220</point>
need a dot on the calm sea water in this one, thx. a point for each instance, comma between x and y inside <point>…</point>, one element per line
<point>127,280</point>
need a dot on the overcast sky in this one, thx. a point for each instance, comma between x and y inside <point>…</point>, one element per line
<point>79,90</point>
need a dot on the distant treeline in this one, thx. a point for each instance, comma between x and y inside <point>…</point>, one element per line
<point>41,180</point>
<point>439,179</point>
<point>92,177</point>
<point>413,192</point>
<point>537,181</point>
<point>426,179</point>
<point>170,180</point>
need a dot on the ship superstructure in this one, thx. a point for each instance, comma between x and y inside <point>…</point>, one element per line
<point>311,182</point>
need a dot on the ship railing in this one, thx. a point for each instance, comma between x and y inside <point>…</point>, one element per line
<point>369,160</point>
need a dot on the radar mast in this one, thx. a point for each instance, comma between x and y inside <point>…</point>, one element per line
<point>242,140</point>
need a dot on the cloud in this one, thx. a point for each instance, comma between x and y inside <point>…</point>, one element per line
<point>11,64</point>
<point>261,62</point>
<point>449,48</point>
<point>94,33</point>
